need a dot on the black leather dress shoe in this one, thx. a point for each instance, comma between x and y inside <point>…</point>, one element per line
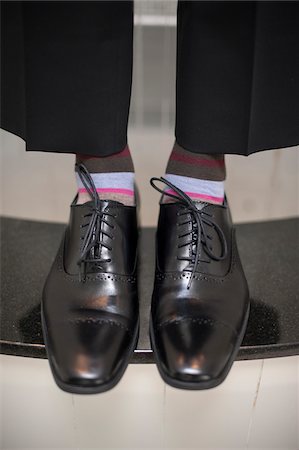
<point>200,303</point>
<point>90,304</point>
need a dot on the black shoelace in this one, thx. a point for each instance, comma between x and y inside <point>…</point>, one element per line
<point>200,219</point>
<point>94,234</point>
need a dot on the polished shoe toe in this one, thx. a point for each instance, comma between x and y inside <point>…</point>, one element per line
<point>194,351</point>
<point>99,358</point>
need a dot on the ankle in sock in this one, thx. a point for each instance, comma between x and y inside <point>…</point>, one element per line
<point>201,176</point>
<point>113,177</point>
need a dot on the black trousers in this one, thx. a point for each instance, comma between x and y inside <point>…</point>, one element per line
<point>67,72</point>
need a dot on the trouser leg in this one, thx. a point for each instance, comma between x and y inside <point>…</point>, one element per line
<point>71,92</point>
<point>237,76</point>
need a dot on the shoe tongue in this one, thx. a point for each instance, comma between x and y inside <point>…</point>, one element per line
<point>200,205</point>
<point>103,203</point>
<point>112,203</point>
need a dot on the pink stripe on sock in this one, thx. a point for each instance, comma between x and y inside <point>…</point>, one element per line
<point>197,161</point>
<point>114,190</point>
<point>200,196</point>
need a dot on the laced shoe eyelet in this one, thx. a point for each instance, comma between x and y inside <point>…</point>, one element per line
<point>198,219</point>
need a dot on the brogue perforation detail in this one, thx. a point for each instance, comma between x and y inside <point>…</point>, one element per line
<point>162,277</point>
<point>198,320</point>
<point>74,278</point>
<point>98,321</point>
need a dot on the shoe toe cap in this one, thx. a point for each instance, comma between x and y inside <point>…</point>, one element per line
<point>195,350</point>
<point>94,356</point>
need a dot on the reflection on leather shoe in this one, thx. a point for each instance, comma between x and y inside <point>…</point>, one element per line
<point>200,303</point>
<point>90,302</point>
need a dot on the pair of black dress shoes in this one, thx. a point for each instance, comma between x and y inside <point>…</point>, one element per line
<point>200,301</point>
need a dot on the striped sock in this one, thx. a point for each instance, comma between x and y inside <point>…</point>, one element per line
<point>113,177</point>
<point>200,176</point>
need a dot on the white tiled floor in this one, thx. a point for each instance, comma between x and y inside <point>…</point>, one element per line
<point>278,402</point>
<point>255,408</point>
<point>226,409</point>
